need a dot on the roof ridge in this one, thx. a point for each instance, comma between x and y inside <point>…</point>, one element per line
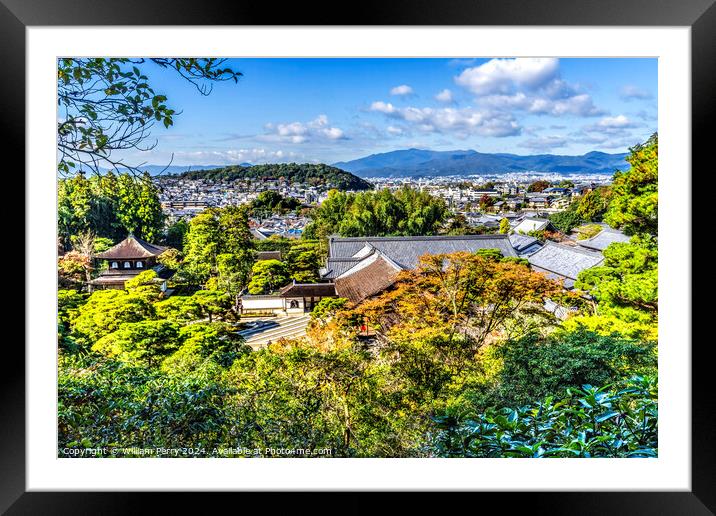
<point>421,237</point>
<point>572,248</point>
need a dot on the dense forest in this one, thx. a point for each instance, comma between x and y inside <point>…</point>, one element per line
<point>463,359</point>
<point>316,175</point>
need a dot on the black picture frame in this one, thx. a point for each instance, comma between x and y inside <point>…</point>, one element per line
<point>700,15</point>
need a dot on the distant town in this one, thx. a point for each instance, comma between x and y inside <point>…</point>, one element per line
<point>483,199</point>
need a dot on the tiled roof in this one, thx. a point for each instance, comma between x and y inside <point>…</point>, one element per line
<point>603,239</point>
<point>131,248</point>
<point>406,251</point>
<point>564,261</point>
<point>529,224</point>
<point>373,275</point>
<point>114,278</point>
<point>522,242</point>
<point>308,290</point>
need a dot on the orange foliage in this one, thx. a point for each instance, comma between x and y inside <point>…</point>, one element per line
<point>458,295</point>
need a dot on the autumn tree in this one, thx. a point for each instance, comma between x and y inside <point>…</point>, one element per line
<point>462,299</point>
<point>538,186</point>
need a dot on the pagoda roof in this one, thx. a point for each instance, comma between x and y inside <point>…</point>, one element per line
<point>131,248</point>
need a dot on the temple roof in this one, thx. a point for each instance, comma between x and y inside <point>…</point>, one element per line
<point>345,253</point>
<point>525,244</point>
<point>531,224</point>
<point>564,261</point>
<point>604,239</point>
<point>308,290</point>
<point>131,248</point>
<point>367,278</point>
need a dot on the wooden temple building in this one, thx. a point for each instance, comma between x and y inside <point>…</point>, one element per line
<point>126,260</point>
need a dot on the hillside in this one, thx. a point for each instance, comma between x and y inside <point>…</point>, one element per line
<point>416,162</point>
<point>316,175</point>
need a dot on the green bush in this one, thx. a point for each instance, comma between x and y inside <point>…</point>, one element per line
<point>619,420</point>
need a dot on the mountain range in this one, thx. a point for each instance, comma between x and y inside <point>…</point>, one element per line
<point>419,162</point>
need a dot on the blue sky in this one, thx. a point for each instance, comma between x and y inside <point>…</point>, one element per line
<point>328,110</point>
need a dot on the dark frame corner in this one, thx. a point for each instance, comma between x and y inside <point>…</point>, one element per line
<point>700,15</point>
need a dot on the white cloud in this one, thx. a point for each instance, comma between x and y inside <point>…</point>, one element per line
<point>503,75</point>
<point>531,85</point>
<point>577,105</point>
<point>299,132</point>
<point>619,121</point>
<point>631,92</point>
<point>402,90</point>
<point>611,132</point>
<point>445,96</point>
<point>459,122</point>
<point>383,107</point>
<point>395,131</point>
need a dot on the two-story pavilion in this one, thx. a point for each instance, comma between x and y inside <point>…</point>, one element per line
<point>125,261</point>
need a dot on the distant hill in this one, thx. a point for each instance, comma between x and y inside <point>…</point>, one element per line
<point>312,174</point>
<point>418,162</point>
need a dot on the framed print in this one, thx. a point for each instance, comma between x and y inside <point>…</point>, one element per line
<point>420,252</point>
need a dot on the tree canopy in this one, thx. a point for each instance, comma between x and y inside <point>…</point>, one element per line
<point>407,211</point>
<point>320,175</point>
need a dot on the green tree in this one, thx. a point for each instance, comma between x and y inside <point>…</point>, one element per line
<point>105,311</point>
<point>267,276</point>
<point>213,303</point>
<point>108,207</point>
<point>175,234</point>
<point>328,306</point>
<point>536,367</point>
<point>593,205</point>
<point>143,341</point>
<point>303,260</point>
<point>566,220</point>
<point>171,258</point>
<point>407,211</point>
<point>625,287</point>
<point>504,226</point>
<point>269,202</point>
<point>217,342</point>
<point>635,203</point>
<point>212,233</point>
